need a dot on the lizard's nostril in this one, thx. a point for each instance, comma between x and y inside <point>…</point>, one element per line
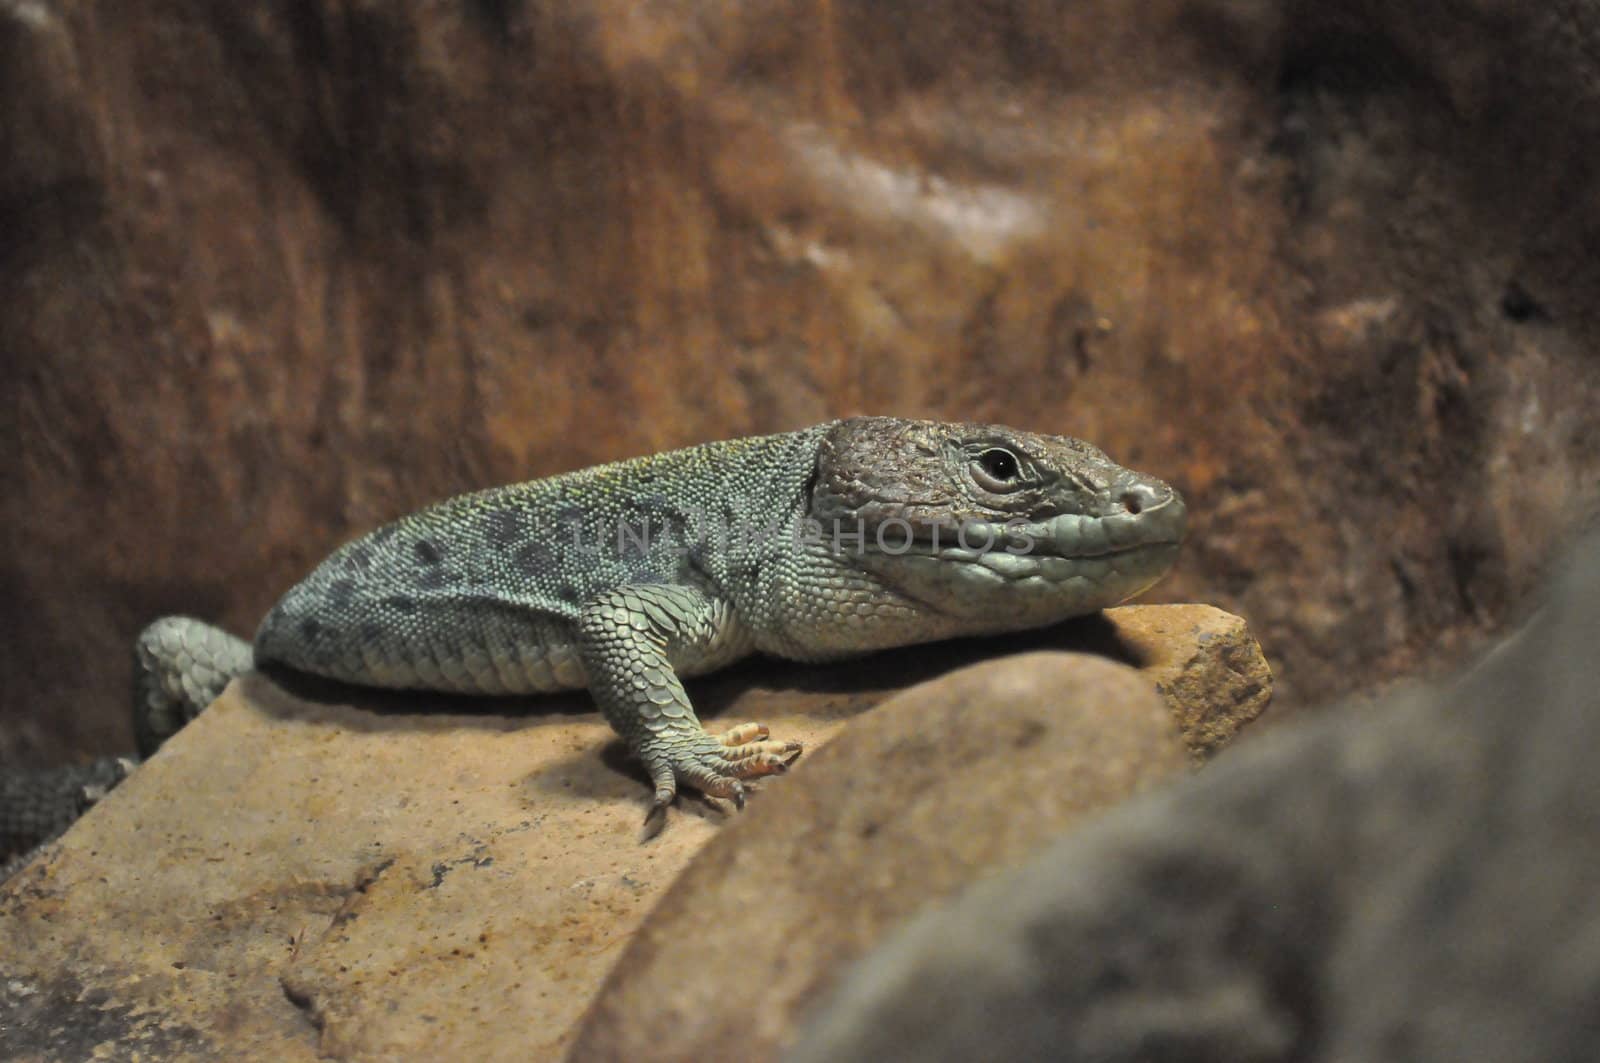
<point>1139,497</point>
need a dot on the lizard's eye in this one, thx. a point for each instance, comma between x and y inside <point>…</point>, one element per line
<point>997,470</point>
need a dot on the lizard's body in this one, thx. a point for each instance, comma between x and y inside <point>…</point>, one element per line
<point>625,577</point>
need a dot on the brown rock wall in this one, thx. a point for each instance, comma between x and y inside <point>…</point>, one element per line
<point>277,272</point>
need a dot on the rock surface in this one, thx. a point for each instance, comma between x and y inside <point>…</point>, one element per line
<point>277,272</point>
<point>1205,663</point>
<point>294,877</point>
<point>940,785</point>
<point>1412,881</point>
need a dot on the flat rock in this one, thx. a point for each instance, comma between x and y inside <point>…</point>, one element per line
<point>323,873</point>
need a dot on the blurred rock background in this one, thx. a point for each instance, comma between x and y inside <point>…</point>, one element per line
<point>274,273</point>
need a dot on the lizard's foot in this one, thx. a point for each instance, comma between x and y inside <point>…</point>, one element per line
<point>746,753</point>
<point>714,764</point>
<point>748,741</point>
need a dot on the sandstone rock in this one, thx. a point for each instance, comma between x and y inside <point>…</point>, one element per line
<point>940,785</point>
<point>1413,881</point>
<point>292,876</point>
<point>1205,663</point>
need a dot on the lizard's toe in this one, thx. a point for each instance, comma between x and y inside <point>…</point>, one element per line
<point>713,781</point>
<point>761,758</point>
<point>743,734</point>
<point>747,752</point>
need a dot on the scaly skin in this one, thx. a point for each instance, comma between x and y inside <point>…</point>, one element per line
<point>36,805</point>
<point>627,577</point>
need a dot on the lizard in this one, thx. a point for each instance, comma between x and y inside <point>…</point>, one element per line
<point>626,578</point>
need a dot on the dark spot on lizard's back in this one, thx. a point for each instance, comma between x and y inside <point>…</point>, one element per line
<point>310,628</point>
<point>568,515</point>
<point>567,591</point>
<point>432,579</point>
<point>505,527</point>
<point>340,592</point>
<point>534,559</point>
<point>698,557</point>
<point>426,552</point>
<point>371,632</point>
<point>401,603</point>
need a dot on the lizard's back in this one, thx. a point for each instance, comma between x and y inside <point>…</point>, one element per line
<point>481,593</point>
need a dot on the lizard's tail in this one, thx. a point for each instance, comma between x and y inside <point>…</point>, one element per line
<point>180,665</point>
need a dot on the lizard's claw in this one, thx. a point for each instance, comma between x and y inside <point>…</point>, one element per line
<point>716,765</point>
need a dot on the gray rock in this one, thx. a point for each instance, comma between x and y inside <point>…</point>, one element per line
<point>1416,880</point>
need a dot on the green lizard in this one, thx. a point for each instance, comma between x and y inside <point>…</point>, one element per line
<point>835,540</point>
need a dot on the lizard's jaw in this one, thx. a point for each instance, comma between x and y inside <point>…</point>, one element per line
<point>995,577</point>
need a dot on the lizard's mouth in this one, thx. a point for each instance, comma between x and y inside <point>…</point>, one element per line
<point>1029,572</point>
<point>1112,567</point>
<point>1056,548</point>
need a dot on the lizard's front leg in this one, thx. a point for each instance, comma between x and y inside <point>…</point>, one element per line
<point>629,638</point>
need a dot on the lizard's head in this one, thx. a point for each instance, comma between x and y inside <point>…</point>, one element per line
<point>998,528</point>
